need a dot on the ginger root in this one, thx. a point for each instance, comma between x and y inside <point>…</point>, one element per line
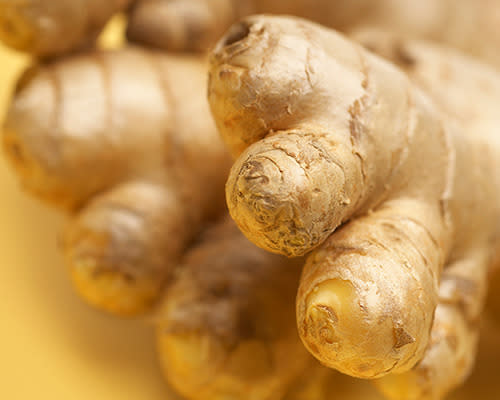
<point>48,28</point>
<point>452,349</point>
<point>183,25</point>
<point>340,154</point>
<point>472,26</point>
<point>226,327</point>
<point>110,137</point>
<point>195,25</point>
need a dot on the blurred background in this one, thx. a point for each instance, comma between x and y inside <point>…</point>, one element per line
<point>53,346</point>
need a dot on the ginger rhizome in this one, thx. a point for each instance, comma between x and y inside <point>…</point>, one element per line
<point>226,327</point>
<point>46,28</point>
<point>195,25</point>
<point>183,25</point>
<point>470,25</point>
<point>125,142</point>
<point>340,155</point>
<point>451,352</point>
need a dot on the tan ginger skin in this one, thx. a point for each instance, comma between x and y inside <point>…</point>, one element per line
<point>110,137</point>
<point>470,25</point>
<point>195,25</point>
<point>330,136</point>
<point>46,28</point>
<point>226,327</point>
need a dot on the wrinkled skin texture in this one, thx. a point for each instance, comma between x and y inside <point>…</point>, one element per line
<point>48,28</point>
<point>446,75</point>
<point>328,135</point>
<point>109,137</point>
<point>144,200</point>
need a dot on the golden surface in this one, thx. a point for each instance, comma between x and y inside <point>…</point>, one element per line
<point>53,346</point>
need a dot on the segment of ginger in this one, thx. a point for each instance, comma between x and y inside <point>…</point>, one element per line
<point>446,76</point>
<point>110,137</point>
<point>46,28</point>
<point>195,25</point>
<point>183,25</point>
<point>329,135</point>
<point>470,25</point>
<point>226,327</point>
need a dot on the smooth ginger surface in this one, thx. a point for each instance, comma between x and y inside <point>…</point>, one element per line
<point>46,28</point>
<point>195,25</point>
<point>473,26</point>
<point>109,137</point>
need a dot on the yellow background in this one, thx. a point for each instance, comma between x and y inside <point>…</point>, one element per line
<point>52,346</point>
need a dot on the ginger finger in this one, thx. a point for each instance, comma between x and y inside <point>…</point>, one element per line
<point>185,25</point>
<point>66,116</point>
<point>328,133</point>
<point>352,304</point>
<point>120,245</point>
<point>48,28</point>
<point>320,163</point>
<point>226,327</point>
<point>112,132</point>
<point>451,352</point>
<point>195,25</point>
<point>469,25</point>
